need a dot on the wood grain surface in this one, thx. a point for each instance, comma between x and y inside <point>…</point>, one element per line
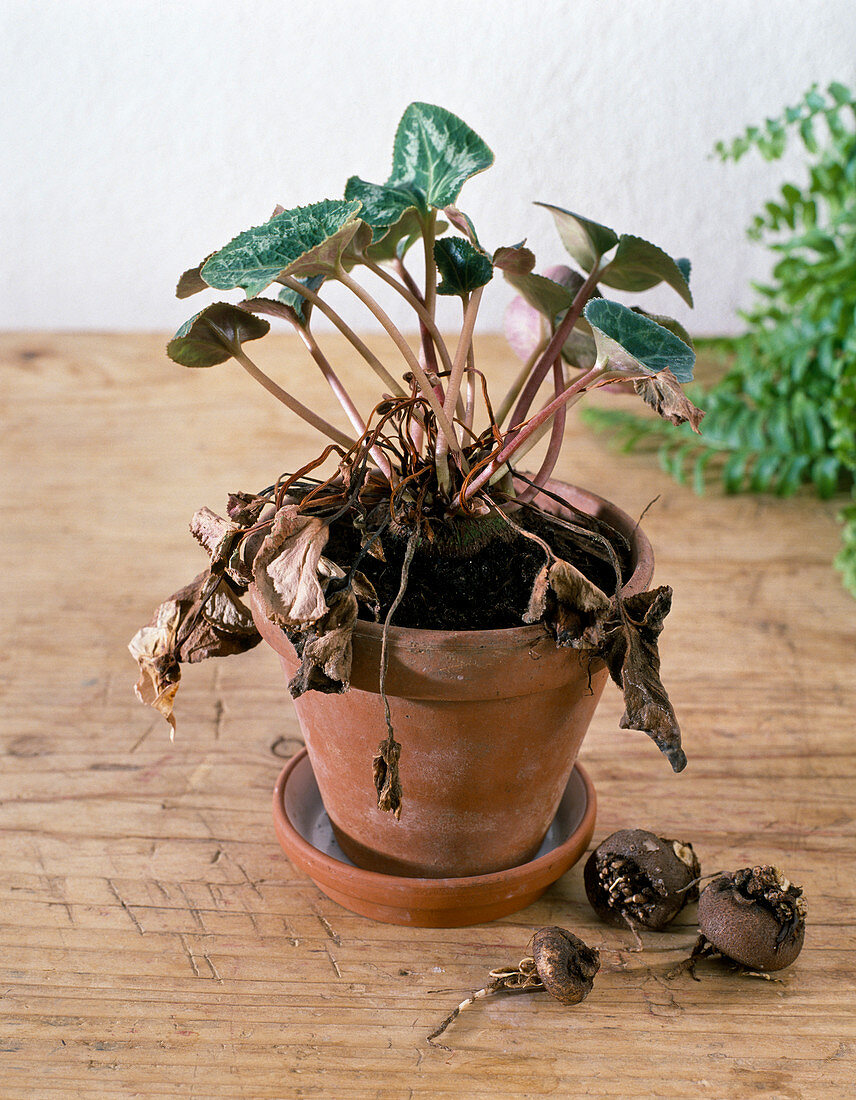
<point>154,940</point>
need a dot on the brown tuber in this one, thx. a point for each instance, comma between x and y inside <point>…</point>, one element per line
<point>639,879</point>
<point>565,965</point>
<point>560,963</point>
<point>754,916</point>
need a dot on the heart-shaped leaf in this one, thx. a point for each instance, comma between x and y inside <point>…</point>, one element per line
<point>382,206</point>
<point>585,240</point>
<point>305,241</point>
<point>214,334</point>
<point>463,268</point>
<point>434,154</point>
<point>394,242</point>
<point>548,297</point>
<point>639,265</point>
<point>630,341</point>
<point>667,322</point>
<point>515,259</point>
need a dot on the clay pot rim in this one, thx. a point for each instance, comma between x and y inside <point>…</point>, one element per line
<point>433,893</point>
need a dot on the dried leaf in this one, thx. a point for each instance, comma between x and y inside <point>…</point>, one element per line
<point>630,652</point>
<point>538,598</point>
<point>286,569</point>
<point>215,534</point>
<point>386,778</point>
<point>571,606</point>
<point>153,648</point>
<point>245,508</point>
<point>366,593</point>
<point>326,649</point>
<point>186,630</point>
<point>664,394</point>
<point>227,613</point>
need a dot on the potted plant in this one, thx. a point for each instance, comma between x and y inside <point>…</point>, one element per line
<point>471,609</point>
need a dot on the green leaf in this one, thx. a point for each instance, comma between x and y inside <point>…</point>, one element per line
<point>639,265</point>
<point>667,322</point>
<point>463,268</point>
<point>214,335</point>
<point>514,259</point>
<point>292,298</point>
<point>434,154</point>
<point>397,239</point>
<point>585,240</point>
<point>630,340</point>
<point>382,206</point>
<point>305,241</point>
<point>685,267</point>
<point>548,297</point>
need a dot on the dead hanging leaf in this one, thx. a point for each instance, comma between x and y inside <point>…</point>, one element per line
<point>153,647</point>
<point>365,592</point>
<point>569,604</point>
<point>226,546</point>
<point>226,613</point>
<point>214,534</point>
<point>203,619</point>
<point>386,778</point>
<point>630,652</point>
<point>286,569</point>
<point>245,509</point>
<point>663,392</point>
<point>325,650</point>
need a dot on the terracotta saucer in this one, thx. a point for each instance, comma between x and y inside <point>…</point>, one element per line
<point>305,833</point>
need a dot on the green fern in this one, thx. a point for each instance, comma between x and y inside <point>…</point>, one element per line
<point>784,415</point>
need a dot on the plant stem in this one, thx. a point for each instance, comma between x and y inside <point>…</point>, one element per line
<point>291,402</point>
<point>344,398</point>
<point>469,413</point>
<point>428,237</point>
<point>518,383</point>
<point>597,376</point>
<point>443,423</point>
<point>556,437</point>
<point>349,334</point>
<point>422,312</point>
<point>465,343</point>
<point>554,347</point>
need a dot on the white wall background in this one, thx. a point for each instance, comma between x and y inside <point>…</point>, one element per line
<point>138,135</point>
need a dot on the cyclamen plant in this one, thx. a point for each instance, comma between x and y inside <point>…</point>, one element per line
<point>430,470</point>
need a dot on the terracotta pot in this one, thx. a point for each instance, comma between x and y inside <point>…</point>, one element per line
<point>490,723</point>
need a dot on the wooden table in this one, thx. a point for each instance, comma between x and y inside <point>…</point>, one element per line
<point>155,940</point>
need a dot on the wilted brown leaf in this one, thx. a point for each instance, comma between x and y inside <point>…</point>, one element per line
<point>153,647</point>
<point>286,569</point>
<point>326,649</point>
<point>195,623</point>
<point>570,605</point>
<point>663,392</point>
<point>386,778</point>
<point>630,652</point>
<point>245,508</point>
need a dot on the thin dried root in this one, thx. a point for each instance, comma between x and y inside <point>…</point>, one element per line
<point>506,979</point>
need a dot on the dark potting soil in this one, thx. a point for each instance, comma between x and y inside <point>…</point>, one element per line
<point>487,589</point>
